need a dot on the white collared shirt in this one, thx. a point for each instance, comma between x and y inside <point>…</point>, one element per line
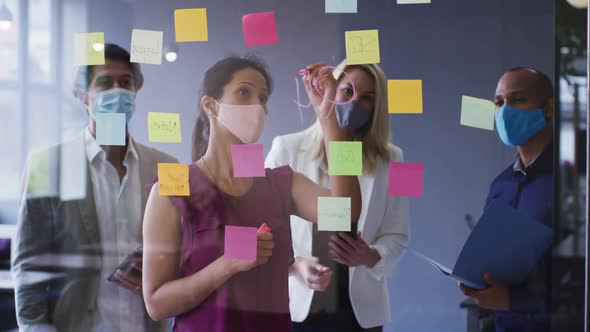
<point>118,207</point>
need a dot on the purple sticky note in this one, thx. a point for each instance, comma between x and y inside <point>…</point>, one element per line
<point>248,160</point>
<point>406,179</point>
<point>260,29</point>
<point>240,243</point>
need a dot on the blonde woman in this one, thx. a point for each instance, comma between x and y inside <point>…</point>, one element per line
<point>338,282</point>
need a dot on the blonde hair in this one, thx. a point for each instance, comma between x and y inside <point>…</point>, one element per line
<point>376,137</point>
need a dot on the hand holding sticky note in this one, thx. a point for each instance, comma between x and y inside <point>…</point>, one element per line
<point>89,49</point>
<point>345,158</point>
<point>334,214</point>
<point>362,47</point>
<point>173,179</point>
<point>240,243</point>
<point>164,127</point>
<point>404,96</point>
<point>477,113</point>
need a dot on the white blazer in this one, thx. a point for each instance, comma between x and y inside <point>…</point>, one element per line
<point>383,222</point>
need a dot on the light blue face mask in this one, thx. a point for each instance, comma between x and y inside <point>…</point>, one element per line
<point>516,126</point>
<point>116,100</point>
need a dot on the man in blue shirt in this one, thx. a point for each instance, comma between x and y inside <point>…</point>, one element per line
<point>524,111</point>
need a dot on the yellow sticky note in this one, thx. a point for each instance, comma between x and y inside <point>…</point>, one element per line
<point>89,49</point>
<point>173,179</point>
<point>404,96</point>
<point>362,47</point>
<point>164,127</point>
<point>191,25</point>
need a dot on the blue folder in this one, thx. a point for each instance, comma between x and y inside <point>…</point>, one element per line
<point>504,242</point>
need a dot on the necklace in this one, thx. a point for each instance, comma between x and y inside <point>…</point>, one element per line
<point>209,174</point>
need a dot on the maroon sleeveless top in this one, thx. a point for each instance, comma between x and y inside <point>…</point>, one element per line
<point>253,301</point>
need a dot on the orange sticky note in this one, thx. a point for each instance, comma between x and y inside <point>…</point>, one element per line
<point>173,179</point>
<point>190,25</point>
<point>404,96</point>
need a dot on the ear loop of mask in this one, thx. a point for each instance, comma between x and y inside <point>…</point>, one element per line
<point>300,106</point>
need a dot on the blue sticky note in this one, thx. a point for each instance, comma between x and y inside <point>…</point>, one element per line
<point>341,6</point>
<point>110,128</point>
<point>504,242</point>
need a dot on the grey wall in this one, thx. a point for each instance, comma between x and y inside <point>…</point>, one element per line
<point>455,46</point>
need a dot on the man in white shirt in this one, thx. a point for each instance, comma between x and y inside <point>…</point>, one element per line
<point>92,220</point>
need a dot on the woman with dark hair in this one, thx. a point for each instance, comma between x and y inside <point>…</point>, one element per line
<point>185,273</point>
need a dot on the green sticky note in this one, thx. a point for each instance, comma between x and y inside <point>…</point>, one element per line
<point>478,113</point>
<point>345,158</point>
<point>334,214</point>
<point>164,127</point>
<point>89,49</point>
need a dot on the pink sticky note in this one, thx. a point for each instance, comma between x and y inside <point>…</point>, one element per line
<point>240,243</point>
<point>260,29</point>
<point>406,179</point>
<point>248,160</point>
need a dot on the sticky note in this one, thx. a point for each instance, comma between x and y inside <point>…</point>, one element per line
<point>164,127</point>
<point>190,25</point>
<point>247,160</point>
<point>404,96</point>
<point>110,128</point>
<point>341,6</point>
<point>334,214</point>
<point>240,243</point>
<point>478,113</point>
<point>410,2</point>
<point>173,179</point>
<point>260,29</point>
<point>146,46</point>
<point>362,47</point>
<point>345,158</point>
<point>89,49</point>
<point>406,179</point>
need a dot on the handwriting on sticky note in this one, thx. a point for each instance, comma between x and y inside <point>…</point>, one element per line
<point>164,127</point>
<point>173,179</point>
<point>341,6</point>
<point>240,243</point>
<point>404,96</point>
<point>247,160</point>
<point>190,25</point>
<point>89,49</point>
<point>345,158</point>
<point>477,113</point>
<point>260,29</point>
<point>406,179</point>
<point>334,214</point>
<point>110,128</point>
<point>146,46</point>
<point>362,47</point>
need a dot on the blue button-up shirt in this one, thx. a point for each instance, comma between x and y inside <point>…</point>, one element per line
<point>530,191</point>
